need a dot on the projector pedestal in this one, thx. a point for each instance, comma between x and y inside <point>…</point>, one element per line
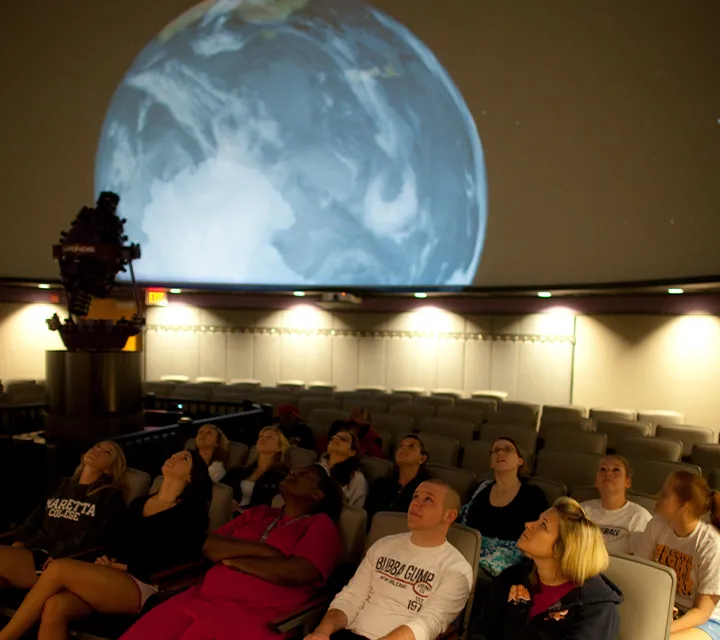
<point>93,395</point>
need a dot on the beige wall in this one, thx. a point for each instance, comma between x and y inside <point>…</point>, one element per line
<point>24,338</point>
<point>530,356</point>
<point>650,362</point>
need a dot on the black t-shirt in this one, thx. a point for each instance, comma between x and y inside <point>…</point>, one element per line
<point>508,522</point>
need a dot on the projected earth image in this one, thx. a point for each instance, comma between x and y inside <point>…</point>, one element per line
<point>295,143</point>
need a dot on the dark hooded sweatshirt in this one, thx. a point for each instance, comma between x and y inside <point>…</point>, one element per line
<point>588,612</point>
<point>71,520</point>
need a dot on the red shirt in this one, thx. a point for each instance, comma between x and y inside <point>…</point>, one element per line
<point>315,538</point>
<point>546,597</point>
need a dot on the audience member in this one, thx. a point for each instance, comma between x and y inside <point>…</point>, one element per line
<point>212,445</point>
<point>620,520</point>
<point>165,529</point>
<point>360,421</point>
<point>297,432</point>
<point>561,594</point>
<point>684,536</point>
<point>268,563</point>
<point>259,482</point>
<point>409,471</point>
<point>500,508</point>
<point>80,514</point>
<point>409,586</point>
<point>341,462</point>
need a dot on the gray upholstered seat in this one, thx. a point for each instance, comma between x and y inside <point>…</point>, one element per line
<point>650,449</point>
<point>688,435</point>
<point>569,439</point>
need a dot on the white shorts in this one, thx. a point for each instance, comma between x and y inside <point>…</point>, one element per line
<point>146,590</point>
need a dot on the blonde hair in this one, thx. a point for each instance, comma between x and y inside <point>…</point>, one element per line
<point>622,460</point>
<point>114,477</point>
<point>222,448</point>
<point>580,545</point>
<point>282,455</point>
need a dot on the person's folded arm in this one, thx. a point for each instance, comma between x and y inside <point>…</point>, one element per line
<point>401,633</point>
<point>219,547</point>
<point>288,572</point>
<point>702,609</point>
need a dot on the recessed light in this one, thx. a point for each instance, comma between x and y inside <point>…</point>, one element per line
<point>675,291</point>
<point>43,286</point>
<point>544,294</point>
<point>175,290</point>
<point>421,295</point>
<point>299,294</point>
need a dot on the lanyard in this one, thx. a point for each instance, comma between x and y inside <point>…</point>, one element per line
<point>272,525</point>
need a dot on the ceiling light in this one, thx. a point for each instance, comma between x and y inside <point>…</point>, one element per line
<point>175,290</point>
<point>675,291</point>
<point>299,294</point>
<point>544,294</point>
<point>421,295</point>
<point>43,286</point>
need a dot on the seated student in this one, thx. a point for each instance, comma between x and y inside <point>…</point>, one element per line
<point>159,531</point>
<point>500,508</point>
<point>259,482</point>
<point>410,585</point>
<point>268,563</point>
<point>684,536</point>
<point>395,493</point>
<point>561,594</point>
<point>360,421</point>
<point>297,432</point>
<point>212,445</point>
<point>620,520</point>
<point>341,462</point>
<point>80,514</point>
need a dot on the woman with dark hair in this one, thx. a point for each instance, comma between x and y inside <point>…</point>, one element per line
<point>684,536</point>
<point>500,507</point>
<point>212,445</point>
<point>80,514</point>
<point>409,471</point>
<point>259,482</point>
<point>342,464</point>
<point>360,421</point>
<point>268,562</point>
<point>159,531</point>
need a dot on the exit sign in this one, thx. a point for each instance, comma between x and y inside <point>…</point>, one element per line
<point>156,298</point>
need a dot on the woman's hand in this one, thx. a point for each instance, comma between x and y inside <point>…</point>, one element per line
<point>18,545</point>
<point>104,561</point>
<point>236,507</point>
<point>111,563</point>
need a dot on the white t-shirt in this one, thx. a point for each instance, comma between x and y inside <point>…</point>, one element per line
<point>354,491</point>
<point>399,583</point>
<point>621,527</point>
<point>694,558</point>
<point>216,471</point>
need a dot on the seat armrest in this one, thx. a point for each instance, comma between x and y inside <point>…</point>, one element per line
<point>191,569</point>
<point>303,614</point>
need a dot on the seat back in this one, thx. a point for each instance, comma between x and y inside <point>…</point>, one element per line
<point>569,439</point>
<point>310,403</point>
<point>137,483</point>
<point>374,468</point>
<point>394,423</point>
<point>435,401</point>
<point>221,503</point>
<point>373,406</point>
<point>474,416</point>
<point>290,384</point>
<point>643,499</point>
<point>651,449</point>
<point>584,493</point>
<point>492,394</point>
<point>274,399</point>
<point>552,490</point>
<point>212,380</point>
<point>463,481</point>
<point>447,393</point>
<point>524,436</point>
<point>707,456</point>
<point>562,413</point>
<point>570,468</point>
<point>321,420</point>
<point>486,406</point>
<point>353,527</point>
<point>661,417</point>
<point>372,390</point>
<point>601,414</point>
<point>618,430</point>
<point>396,398</point>
<point>464,539</point>
<point>648,597</point>
<point>650,475</point>
<point>414,410</point>
<point>410,391</point>
<point>461,430</point>
<point>299,458</point>
<point>687,435</point>
<point>521,413</point>
<point>441,450</point>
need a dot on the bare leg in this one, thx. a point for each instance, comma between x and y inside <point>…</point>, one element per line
<point>57,614</point>
<point>17,568</point>
<point>690,634</point>
<point>103,589</point>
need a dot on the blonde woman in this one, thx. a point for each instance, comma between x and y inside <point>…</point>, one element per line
<point>212,445</point>
<point>259,482</point>
<point>561,594</point>
<point>80,514</point>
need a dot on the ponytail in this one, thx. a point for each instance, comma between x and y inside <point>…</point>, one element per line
<point>694,490</point>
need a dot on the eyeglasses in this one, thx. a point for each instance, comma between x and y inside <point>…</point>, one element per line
<point>343,439</point>
<point>498,450</point>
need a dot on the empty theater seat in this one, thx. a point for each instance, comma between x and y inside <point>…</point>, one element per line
<point>567,439</point>
<point>688,435</point>
<point>650,449</point>
<point>657,417</point>
<point>463,481</point>
<point>707,456</point>
<point>602,414</point>
<point>434,401</point>
<point>463,431</point>
<point>441,450</point>
<point>394,423</point>
<point>321,420</point>
<point>493,394</point>
<point>618,430</point>
<point>309,404</point>
<point>524,413</point>
<point>466,415</point>
<point>562,413</point>
<point>569,468</point>
<point>650,475</point>
<point>416,411</point>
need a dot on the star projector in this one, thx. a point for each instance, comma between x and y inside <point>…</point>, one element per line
<point>91,255</point>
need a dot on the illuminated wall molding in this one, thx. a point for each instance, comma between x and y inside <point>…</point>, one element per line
<point>350,333</point>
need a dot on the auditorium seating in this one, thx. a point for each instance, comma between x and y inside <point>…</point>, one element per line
<point>706,456</point>
<point>374,468</point>
<point>650,475</point>
<point>434,401</point>
<point>291,385</point>
<point>639,448</point>
<point>618,430</point>
<point>688,435</point>
<point>441,449</point>
<point>464,432</point>
<point>463,481</point>
<point>602,414</point>
<point>320,420</point>
<point>562,413</point>
<point>648,597</point>
<point>416,411</point>
<point>307,405</point>
<point>299,458</point>
<point>571,440</point>
<point>522,435</point>
<point>660,417</point>
<point>393,423</point>
<point>553,465</point>
<point>459,413</point>
<point>375,407</point>
<point>520,413</point>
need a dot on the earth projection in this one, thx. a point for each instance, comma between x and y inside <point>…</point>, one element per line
<point>295,142</point>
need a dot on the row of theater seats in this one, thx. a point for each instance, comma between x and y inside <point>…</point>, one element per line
<point>20,392</point>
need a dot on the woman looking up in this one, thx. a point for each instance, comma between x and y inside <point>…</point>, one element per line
<point>212,445</point>
<point>341,462</point>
